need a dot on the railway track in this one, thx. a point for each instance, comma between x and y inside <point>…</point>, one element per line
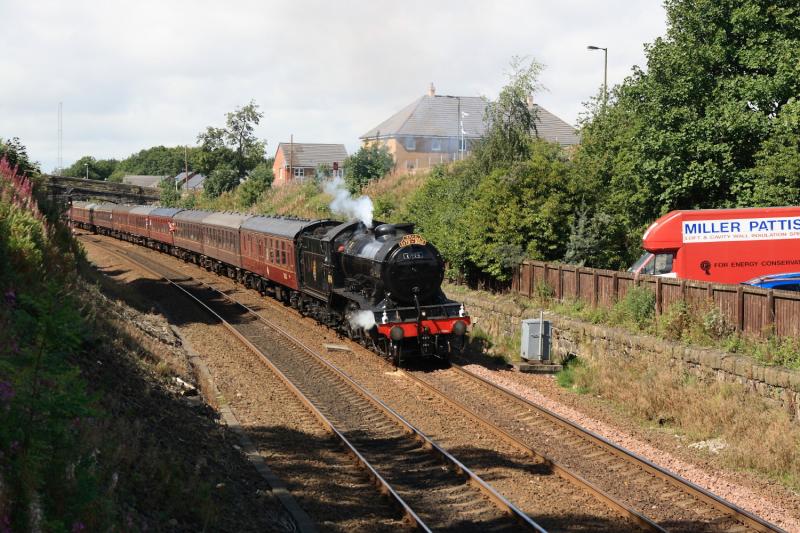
<point>655,495</point>
<point>649,496</point>
<point>431,487</point>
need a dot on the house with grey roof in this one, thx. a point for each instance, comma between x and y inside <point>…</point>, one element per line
<point>435,129</point>
<point>299,161</point>
<point>193,181</point>
<point>143,180</point>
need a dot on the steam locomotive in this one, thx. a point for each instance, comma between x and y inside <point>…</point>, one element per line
<point>381,286</point>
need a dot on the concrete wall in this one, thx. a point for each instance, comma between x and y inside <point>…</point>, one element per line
<point>500,316</point>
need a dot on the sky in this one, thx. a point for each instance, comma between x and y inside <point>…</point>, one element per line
<point>136,74</point>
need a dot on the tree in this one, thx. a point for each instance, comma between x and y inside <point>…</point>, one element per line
<point>259,180</point>
<point>521,212</point>
<point>169,194</point>
<point>97,169</point>
<point>510,120</point>
<point>776,174</point>
<point>235,146</point>
<point>13,151</point>
<point>705,125</point>
<point>158,161</point>
<point>371,162</point>
<point>223,178</point>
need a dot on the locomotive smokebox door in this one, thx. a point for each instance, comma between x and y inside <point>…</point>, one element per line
<point>535,340</point>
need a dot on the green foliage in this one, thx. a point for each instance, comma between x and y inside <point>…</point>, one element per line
<point>710,123</point>
<point>169,194</point>
<point>509,119</point>
<point>222,178</point>
<point>235,146</point>
<point>637,308</point>
<point>437,209</point>
<point>155,161</point>
<point>571,374</point>
<point>259,180</point>
<point>13,151</point>
<point>370,163</point>
<point>521,212</point>
<point>47,468</point>
<point>98,169</point>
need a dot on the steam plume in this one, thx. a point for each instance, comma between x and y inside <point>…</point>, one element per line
<point>362,319</point>
<point>344,204</point>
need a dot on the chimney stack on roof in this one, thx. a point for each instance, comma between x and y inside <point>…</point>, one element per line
<point>530,101</point>
<point>431,90</point>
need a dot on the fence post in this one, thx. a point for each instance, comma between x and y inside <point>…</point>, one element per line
<point>544,276</point>
<point>683,290</point>
<point>577,283</point>
<point>771,309</point>
<point>595,289</point>
<point>659,295</point>
<point>615,286</point>
<point>560,287</point>
<point>530,279</point>
<point>739,308</point>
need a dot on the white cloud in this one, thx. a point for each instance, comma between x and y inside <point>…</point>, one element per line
<point>137,74</point>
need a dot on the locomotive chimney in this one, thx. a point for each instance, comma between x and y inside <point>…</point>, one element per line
<point>431,90</point>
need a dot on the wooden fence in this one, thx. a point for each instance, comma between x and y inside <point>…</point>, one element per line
<point>751,310</point>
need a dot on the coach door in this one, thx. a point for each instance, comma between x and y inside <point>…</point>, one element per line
<point>313,266</point>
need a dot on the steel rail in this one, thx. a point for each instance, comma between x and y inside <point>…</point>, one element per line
<point>700,493</point>
<point>571,477</point>
<point>499,500</point>
<point>383,486</point>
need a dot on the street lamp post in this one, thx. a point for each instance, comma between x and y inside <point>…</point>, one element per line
<point>86,165</point>
<point>605,69</point>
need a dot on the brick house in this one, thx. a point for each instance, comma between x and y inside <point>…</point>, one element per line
<point>299,161</point>
<point>436,129</point>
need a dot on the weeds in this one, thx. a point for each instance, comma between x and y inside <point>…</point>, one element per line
<point>637,308</point>
<point>571,373</point>
<point>757,436</point>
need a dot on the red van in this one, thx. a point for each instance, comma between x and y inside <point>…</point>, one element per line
<point>722,245</point>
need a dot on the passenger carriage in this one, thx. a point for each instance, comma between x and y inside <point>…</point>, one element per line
<point>163,227</point>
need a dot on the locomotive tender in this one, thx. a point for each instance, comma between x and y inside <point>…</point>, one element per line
<point>381,286</point>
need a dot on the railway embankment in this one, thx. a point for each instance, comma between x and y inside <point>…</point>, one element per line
<point>741,413</point>
<point>501,317</point>
<point>96,434</point>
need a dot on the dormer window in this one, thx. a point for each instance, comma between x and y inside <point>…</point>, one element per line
<point>436,145</point>
<point>410,144</point>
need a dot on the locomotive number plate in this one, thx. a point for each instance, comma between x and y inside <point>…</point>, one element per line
<point>413,238</point>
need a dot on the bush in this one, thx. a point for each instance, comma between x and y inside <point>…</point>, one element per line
<point>637,308</point>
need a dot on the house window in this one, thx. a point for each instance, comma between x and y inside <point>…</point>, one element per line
<point>463,144</point>
<point>299,172</point>
<point>410,144</point>
<point>436,145</point>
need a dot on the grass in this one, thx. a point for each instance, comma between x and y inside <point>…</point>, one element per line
<point>701,325</point>
<point>758,436</point>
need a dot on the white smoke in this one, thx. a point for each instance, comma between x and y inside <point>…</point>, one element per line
<point>344,204</point>
<point>362,319</point>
